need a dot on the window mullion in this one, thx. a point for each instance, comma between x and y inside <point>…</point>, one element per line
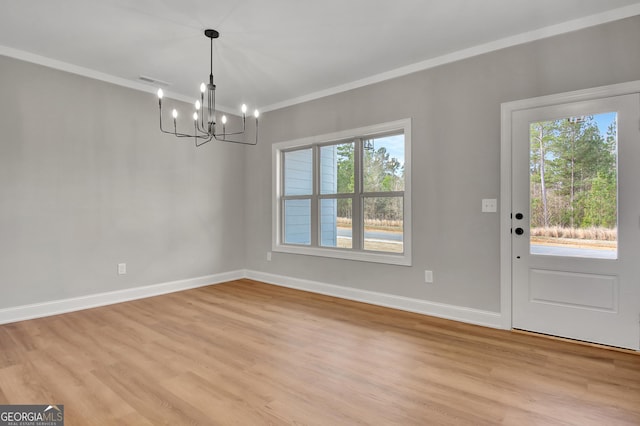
<point>281,212</point>
<point>333,196</point>
<point>383,194</point>
<point>315,222</point>
<point>356,203</point>
<point>297,197</point>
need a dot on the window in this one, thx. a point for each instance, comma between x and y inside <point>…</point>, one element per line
<point>345,195</point>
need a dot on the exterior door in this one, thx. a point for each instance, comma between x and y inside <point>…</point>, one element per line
<point>576,220</point>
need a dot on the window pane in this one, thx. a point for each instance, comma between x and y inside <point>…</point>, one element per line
<point>297,222</point>
<point>335,222</point>
<point>383,224</point>
<point>336,169</point>
<point>298,172</point>
<point>383,164</point>
<point>574,187</point>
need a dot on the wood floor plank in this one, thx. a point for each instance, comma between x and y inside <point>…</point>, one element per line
<point>83,396</point>
<point>248,353</point>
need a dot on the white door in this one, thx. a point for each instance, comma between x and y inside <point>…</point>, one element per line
<point>576,220</point>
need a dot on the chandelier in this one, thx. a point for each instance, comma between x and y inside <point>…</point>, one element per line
<point>204,118</point>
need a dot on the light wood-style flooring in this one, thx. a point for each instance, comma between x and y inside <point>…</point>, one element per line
<point>247,353</point>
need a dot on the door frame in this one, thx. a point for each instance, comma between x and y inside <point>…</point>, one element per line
<point>506,141</point>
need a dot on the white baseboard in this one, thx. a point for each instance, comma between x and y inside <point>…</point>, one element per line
<point>457,313</point>
<point>38,310</point>
<point>441,310</point>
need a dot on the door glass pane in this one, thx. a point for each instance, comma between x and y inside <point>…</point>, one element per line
<point>335,222</point>
<point>383,224</point>
<point>574,187</point>
<point>336,169</point>
<point>298,172</point>
<point>297,222</point>
<point>383,164</point>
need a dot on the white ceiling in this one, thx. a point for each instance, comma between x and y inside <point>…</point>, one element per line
<point>274,53</point>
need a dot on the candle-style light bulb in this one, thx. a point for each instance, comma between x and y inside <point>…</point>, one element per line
<point>202,87</point>
<point>244,109</point>
<point>197,105</point>
<point>195,116</point>
<point>256,114</point>
<point>174,113</point>
<point>224,119</point>
<point>160,93</point>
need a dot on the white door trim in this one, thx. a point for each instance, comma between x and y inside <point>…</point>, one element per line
<point>507,109</point>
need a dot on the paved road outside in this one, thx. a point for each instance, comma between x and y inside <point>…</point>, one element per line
<point>591,253</point>
<point>373,235</point>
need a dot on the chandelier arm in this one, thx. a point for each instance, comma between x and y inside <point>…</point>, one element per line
<point>208,136</point>
<point>239,132</point>
<point>200,134</point>
<point>180,135</point>
<point>231,134</point>
<point>184,135</point>
<point>237,142</point>
<point>168,131</point>
<point>203,135</point>
<point>224,139</point>
<point>204,142</point>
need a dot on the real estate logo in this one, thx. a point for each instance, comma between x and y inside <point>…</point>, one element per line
<point>32,415</point>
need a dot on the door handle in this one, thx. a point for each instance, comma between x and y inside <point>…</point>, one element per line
<point>519,231</point>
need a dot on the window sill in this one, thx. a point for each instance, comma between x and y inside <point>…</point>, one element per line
<point>362,256</point>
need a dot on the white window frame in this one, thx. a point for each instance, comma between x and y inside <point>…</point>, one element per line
<point>278,245</point>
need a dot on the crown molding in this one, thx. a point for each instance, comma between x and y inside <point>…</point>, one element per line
<point>100,76</point>
<point>539,34</point>
<point>85,72</point>
<point>542,33</point>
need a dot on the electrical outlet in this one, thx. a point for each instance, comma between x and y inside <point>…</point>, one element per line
<point>122,268</point>
<point>489,205</point>
<point>268,256</point>
<point>428,276</point>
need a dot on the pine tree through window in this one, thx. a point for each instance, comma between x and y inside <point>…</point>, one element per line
<point>574,186</point>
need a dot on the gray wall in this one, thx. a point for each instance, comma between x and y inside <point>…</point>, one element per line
<point>455,110</point>
<point>87,181</point>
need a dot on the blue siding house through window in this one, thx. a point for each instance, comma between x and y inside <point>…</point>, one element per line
<point>297,229</point>
<point>298,181</point>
